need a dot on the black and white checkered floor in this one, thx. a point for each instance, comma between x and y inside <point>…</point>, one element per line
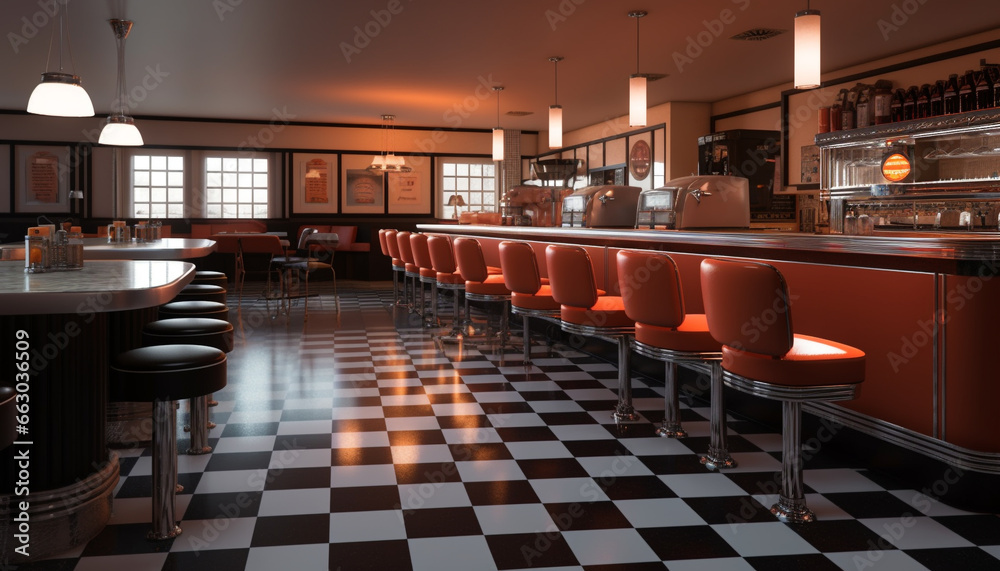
<point>351,442</point>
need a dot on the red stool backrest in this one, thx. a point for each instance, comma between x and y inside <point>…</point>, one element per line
<point>391,243</point>
<point>442,256</point>
<point>421,254</point>
<point>405,252</point>
<point>519,267</point>
<point>651,288</point>
<point>381,242</point>
<point>746,305</point>
<point>470,260</point>
<point>571,275</point>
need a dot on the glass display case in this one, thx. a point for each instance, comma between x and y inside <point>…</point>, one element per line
<point>941,173</point>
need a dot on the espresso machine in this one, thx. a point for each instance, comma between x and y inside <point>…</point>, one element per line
<point>532,205</point>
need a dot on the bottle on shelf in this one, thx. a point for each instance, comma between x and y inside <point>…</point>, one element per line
<point>937,99</point>
<point>984,89</point>
<point>923,108</point>
<point>951,95</point>
<point>864,111</point>
<point>896,107</point>
<point>910,103</point>
<point>883,102</point>
<point>837,111</point>
<point>967,92</point>
<point>848,115</point>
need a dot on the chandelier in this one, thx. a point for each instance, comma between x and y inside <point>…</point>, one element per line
<point>388,162</point>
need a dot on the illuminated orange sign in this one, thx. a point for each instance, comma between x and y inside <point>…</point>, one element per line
<point>896,167</point>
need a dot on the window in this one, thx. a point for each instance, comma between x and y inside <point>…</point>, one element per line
<point>157,186</point>
<point>474,180</point>
<point>236,187</point>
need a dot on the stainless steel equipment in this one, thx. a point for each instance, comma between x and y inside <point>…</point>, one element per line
<point>696,202</point>
<point>604,206</point>
<point>528,205</point>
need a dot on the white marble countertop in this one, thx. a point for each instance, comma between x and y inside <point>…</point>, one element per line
<point>102,285</point>
<point>165,249</point>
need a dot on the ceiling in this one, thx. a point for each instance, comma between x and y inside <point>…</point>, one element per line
<point>430,62</point>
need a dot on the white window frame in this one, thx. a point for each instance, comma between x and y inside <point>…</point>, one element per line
<point>446,190</point>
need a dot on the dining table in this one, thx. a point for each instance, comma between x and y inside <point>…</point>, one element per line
<point>58,331</point>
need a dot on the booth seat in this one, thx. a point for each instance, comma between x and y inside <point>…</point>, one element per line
<point>346,235</point>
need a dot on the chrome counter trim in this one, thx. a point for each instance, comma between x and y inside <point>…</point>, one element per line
<point>790,393</point>
<point>964,458</point>
<point>973,247</point>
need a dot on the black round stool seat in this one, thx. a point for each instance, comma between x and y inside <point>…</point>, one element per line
<point>7,412</point>
<point>202,292</point>
<point>212,309</point>
<point>210,277</point>
<point>189,331</point>
<point>167,372</point>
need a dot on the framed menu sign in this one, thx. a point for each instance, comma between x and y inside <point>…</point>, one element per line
<point>364,192</point>
<point>43,178</point>
<point>410,193</point>
<point>316,183</point>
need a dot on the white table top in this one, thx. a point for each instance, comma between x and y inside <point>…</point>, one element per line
<point>165,249</point>
<point>102,285</point>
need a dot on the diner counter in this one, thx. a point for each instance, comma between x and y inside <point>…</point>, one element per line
<point>923,307</point>
<point>164,249</point>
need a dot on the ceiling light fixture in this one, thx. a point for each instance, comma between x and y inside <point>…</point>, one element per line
<point>637,82</point>
<point>120,129</point>
<point>60,94</point>
<point>555,110</point>
<point>807,49</point>
<point>388,161</point>
<point>498,132</point>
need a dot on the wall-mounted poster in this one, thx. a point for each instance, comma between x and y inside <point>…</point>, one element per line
<point>316,183</point>
<point>43,179</point>
<point>364,192</point>
<point>409,193</point>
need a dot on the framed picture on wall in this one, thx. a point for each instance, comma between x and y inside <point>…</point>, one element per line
<point>43,176</point>
<point>316,183</point>
<point>410,193</point>
<point>364,192</point>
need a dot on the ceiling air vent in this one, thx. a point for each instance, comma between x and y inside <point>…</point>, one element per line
<point>758,34</point>
<point>519,113</point>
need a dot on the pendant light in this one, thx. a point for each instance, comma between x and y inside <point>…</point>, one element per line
<point>388,161</point>
<point>637,82</point>
<point>555,110</point>
<point>120,129</point>
<point>498,132</point>
<point>807,49</point>
<point>60,94</point>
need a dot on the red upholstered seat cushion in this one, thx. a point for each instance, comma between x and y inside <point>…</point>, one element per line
<point>428,273</point>
<point>607,312</point>
<point>398,263</point>
<point>412,268</point>
<point>810,361</point>
<point>541,301</point>
<point>691,335</point>
<point>493,285</point>
<point>454,278</point>
<point>493,270</point>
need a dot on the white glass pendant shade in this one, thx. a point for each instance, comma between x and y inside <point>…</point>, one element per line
<point>637,101</point>
<point>555,126</point>
<point>60,95</point>
<point>120,131</point>
<point>498,144</point>
<point>807,49</point>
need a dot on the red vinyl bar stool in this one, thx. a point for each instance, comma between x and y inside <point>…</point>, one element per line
<point>161,375</point>
<point>530,294</point>
<point>447,277</point>
<point>398,266</point>
<point>651,291</point>
<point>584,312</point>
<point>384,245</point>
<point>481,285</point>
<point>411,269</point>
<point>773,362</point>
<point>422,257</point>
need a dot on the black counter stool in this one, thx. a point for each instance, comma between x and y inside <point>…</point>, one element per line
<point>162,375</point>
<point>210,277</point>
<point>212,309</point>
<point>202,292</point>
<point>193,331</point>
<point>8,427</point>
